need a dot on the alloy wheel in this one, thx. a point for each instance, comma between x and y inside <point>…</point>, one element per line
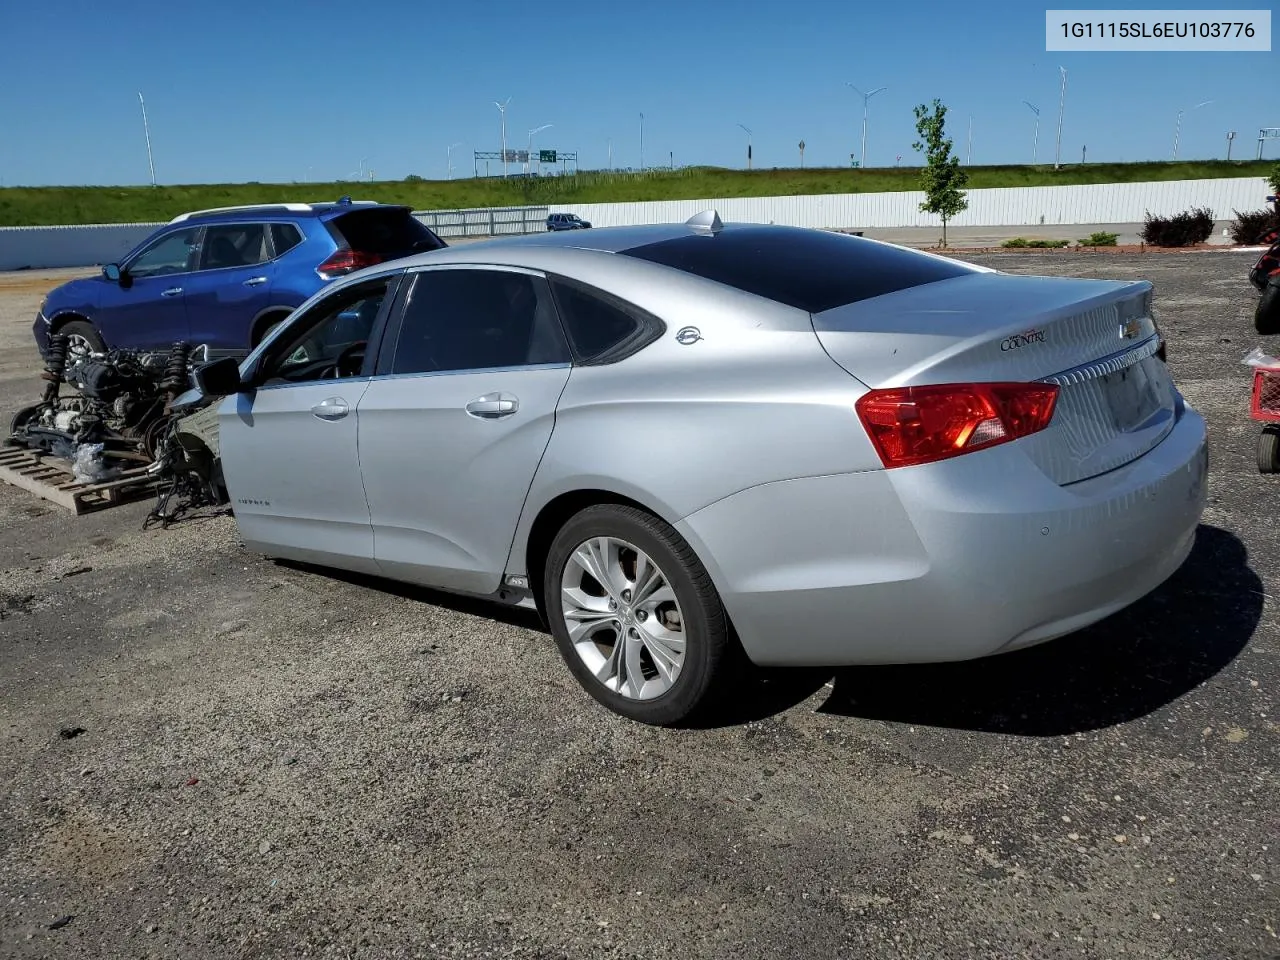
<point>623,618</point>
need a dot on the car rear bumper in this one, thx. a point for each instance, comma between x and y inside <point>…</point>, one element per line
<point>948,561</point>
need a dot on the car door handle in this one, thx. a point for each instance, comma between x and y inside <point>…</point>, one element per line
<point>493,406</point>
<point>254,281</point>
<point>171,292</point>
<point>334,408</point>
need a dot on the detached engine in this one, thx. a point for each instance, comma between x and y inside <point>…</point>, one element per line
<point>119,407</point>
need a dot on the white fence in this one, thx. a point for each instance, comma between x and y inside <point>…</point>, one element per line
<point>485,221</point>
<point>72,246</point>
<point>1005,206</point>
<point>22,247</point>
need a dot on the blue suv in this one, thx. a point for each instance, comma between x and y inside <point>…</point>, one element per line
<point>224,277</point>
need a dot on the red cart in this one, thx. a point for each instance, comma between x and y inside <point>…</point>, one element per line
<point>1264,406</point>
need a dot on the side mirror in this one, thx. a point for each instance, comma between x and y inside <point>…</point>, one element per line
<point>112,272</point>
<point>221,378</point>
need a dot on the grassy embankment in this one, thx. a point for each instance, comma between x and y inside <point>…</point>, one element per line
<point>23,206</point>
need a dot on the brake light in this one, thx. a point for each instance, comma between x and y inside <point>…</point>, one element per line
<point>912,425</point>
<point>346,261</point>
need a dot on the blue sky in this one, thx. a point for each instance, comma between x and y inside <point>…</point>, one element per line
<point>279,91</point>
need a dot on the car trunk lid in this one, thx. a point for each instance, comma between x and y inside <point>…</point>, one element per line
<point>1095,339</point>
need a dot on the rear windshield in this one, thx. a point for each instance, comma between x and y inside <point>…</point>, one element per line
<point>389,232</point>
<point>812,270</point>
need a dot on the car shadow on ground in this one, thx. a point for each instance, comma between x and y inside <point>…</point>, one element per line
<point>1125,667</point>
<point>522,617</point>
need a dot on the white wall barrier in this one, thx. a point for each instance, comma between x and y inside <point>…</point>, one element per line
<point>30,247</point>
<point>1005,206</point>
<point>78,246</point>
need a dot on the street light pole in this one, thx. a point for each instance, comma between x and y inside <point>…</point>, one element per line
<point>146,130</point>
<point>502,109</point>
<point>1177,129</point>
<point>866,100</point>
<point>642,143</point>
<point>1035,140</point>
<point>748,129</point>
<point>1062,100</point>
<point>532,133</point>
<point>968,156</point>
<point>449,158</point>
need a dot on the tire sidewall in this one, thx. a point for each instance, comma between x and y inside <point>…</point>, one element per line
<point>701,626</point>
<point>83,328</point>
<point>1269,449</point>
<point>1266,320</point>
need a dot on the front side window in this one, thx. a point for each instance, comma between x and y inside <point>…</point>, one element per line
<point>172,253</point>
<point>476,320</point>
<point>328,341</point>
<point>234,245</point>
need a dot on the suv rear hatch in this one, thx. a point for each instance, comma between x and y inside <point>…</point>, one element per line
<point>1095,339</point>
<point>376,234</point>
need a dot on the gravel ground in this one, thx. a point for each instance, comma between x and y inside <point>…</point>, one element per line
<point>275,762</point>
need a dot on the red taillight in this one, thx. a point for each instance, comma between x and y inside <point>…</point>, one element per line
<point>911,425</point>
<point>1265,403</point>
<point>346,261</point>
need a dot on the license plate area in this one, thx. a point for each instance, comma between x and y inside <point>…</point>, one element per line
<point>1133,395</point>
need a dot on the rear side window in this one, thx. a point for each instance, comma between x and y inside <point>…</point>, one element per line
<point>602,328</point>
<point>285,236</point>
<point>389,232</point>
<point>475,320</point>
<point>234,245</point>
<point>812,270</point>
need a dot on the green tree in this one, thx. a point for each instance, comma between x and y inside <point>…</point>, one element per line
<point>1274,178</point>
<point>942,179</point>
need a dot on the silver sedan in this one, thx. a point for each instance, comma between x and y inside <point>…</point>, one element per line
<point>695,445</point>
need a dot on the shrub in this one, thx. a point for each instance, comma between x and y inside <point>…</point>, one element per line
<point>1099,238</point>
<point>1185,229</point>
<point>1273,177</point>
<point>1039,244</point>
<point>1248,228</point>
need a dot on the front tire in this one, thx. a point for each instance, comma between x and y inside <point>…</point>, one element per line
<point>82,338</point>
<point>1266,319</point>
<point>636,616</point>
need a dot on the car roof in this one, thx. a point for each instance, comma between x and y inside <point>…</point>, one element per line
<point>807,269</point>
<point>323,211</point>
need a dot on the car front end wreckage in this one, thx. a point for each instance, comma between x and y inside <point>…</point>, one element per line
<point>109,419</point>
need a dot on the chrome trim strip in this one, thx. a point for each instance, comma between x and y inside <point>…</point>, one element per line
<point>409,376</point>
<point>1110,364</point>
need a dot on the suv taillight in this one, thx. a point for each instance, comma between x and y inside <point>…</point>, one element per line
<point>346,261</point>
<point>912,425</point>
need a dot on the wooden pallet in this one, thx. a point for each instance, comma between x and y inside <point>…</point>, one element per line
<point>52,478</point>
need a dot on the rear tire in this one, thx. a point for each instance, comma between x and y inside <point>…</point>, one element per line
<point>1266,319</point>
<point>1269,449</point>
<point>82,334</point>
<point>633,647</point>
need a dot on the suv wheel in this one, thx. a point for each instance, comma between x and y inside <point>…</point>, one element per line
<point>635,615</point>
<point>82,338</point>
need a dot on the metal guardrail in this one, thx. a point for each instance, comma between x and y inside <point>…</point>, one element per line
<point>485,221</point>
